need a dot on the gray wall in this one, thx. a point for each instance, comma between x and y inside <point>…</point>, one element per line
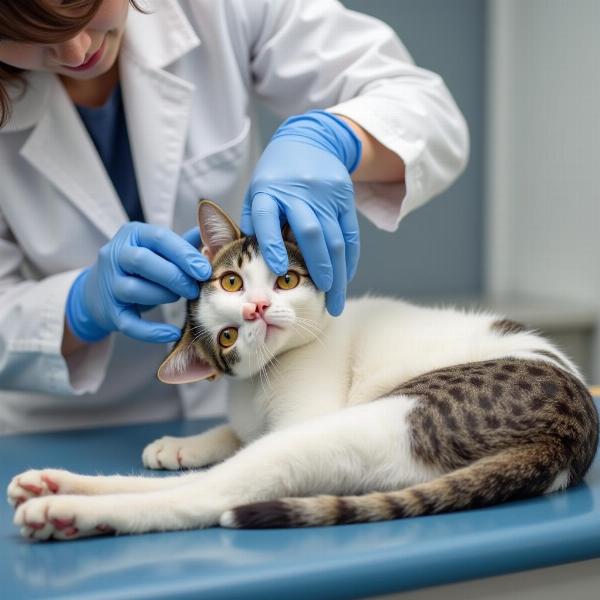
<point>437,250</point>
<point>543,196</point>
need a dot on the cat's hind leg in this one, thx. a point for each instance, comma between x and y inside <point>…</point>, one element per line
<point>65,517</point>
<point>515,473</point>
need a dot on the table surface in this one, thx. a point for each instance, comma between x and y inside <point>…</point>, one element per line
<point>350,561</point>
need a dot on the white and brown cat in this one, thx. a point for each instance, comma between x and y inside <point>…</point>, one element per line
<point>388,411</point>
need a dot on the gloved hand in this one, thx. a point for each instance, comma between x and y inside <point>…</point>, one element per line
<point>303,177</point>
<point>143,265</point>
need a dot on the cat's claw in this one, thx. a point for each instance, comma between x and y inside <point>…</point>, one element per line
<point>32,484</point>
<point>55,518</point>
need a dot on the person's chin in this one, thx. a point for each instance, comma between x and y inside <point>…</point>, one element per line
<point>83,75</point>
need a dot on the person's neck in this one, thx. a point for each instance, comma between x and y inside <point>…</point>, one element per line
<point>92,92</point>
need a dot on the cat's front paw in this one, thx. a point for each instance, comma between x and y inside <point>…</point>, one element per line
<point>58,517</point>
<point>34,483</point>
<point>171,453</point>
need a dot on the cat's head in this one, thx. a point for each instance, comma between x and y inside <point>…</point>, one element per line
<point>245,315</point>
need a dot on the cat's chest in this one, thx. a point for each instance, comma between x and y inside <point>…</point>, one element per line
<point>245,414</point>
<point>301,387</point>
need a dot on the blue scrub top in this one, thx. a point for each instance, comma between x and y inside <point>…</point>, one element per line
<point>108,129</point>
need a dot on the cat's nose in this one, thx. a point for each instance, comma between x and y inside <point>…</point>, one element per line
<point>253,310</point>
<point>261,306</point>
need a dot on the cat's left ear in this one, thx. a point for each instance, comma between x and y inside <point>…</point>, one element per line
<point>216,228</point>
<point>184,364</point>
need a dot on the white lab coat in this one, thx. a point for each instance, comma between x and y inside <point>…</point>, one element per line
<point>190,73</point>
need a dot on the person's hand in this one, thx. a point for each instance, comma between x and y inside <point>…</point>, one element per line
<point>143,265</point>
<point>303,177</point>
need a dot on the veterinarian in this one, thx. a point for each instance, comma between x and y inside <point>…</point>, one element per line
<point>117,120</point>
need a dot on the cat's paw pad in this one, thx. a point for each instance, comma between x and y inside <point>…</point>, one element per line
<point>166,453</point>
<point>32,484</point>
<point>58,518</point>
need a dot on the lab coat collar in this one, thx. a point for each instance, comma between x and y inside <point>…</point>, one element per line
<point>161,36</point>
<point>60,149</point>
<point>157,105</point>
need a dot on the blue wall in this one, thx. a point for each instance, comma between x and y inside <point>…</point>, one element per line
<point>437,250</point>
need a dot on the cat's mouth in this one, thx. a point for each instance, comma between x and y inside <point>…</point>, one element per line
<point>270,329</point>
<point>266,330</point>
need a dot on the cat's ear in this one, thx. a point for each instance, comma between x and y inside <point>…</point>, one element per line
<point>184,364</point>
<point>216,228</point>
<point>288,235</point>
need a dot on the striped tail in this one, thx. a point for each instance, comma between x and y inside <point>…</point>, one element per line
<point>514,473</point>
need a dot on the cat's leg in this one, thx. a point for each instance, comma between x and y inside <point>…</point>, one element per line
<point>207,448</point>
<point>69,517</point>
<point>47,482</point>
<point>358,449</point>
<point>171,453</point>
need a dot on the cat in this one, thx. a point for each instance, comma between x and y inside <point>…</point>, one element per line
<point>391,410</point>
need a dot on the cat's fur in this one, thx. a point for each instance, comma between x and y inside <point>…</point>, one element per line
<point>391,410</point>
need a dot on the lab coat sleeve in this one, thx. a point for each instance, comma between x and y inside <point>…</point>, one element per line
<point>31,330</point>
<point>307,54</point>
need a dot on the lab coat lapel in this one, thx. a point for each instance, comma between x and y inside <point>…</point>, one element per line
<point>157,104</point>
<point>60,149</point>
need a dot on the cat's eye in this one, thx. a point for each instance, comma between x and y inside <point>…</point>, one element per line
<point>228,337</point>
<point>288,281</point>
<point>231,282</point>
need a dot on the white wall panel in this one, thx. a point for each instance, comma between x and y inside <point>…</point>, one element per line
<point>543,148</point>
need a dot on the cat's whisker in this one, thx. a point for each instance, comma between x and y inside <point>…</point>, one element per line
<point>258,367</point>
<point>305,329</point>
<point>202,333</point>
<point>197,328</point>
<point>272,362</point>
<point>267,385</point>
<point>263,380</point>
<point>317,335</point>
<point>311,324</point>
<point>302,330</point>
<point>300,314</point>
<point>308,322</point>
<point>266,363</point>
<point>252,370</point>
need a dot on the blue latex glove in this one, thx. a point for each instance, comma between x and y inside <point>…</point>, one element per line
<point>303,177</point>
<point>143,265</point>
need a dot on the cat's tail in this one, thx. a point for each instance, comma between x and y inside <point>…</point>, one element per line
<point>520,472</point>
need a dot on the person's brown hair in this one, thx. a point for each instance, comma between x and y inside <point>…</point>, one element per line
<point>39,22</point>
